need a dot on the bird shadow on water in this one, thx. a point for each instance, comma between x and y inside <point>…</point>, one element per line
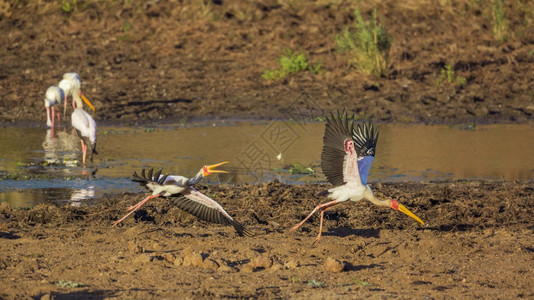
<point>347,231</point>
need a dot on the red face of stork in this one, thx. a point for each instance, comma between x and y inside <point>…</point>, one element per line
<point>209,169</point>
<point>349,147</point>
<point>397,206</point>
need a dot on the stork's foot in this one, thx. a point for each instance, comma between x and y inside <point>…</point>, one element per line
<point>317,238</point>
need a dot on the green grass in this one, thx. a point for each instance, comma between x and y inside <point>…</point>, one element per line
<point>68,6</point>
<point>447,75</point>
<point>367,45</point>
<point>500,23</point>
<point>291,63</point>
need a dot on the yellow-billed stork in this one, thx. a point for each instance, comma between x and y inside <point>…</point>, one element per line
<point>54,95</point>
<point>85,125</point>
<point>185,196</point>
<point>70,84</point>
<point>348,152</point>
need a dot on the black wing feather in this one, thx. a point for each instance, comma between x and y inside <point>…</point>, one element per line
<point>365,137</point>
<point>337,130</point>
<point>203,212</point>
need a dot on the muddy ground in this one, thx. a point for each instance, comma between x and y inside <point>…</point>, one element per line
<point>176,60</point>
<point>477,242</point>
<point>168,61</point>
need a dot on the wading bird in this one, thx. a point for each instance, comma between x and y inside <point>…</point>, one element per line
<point>348,152</point>
<point>54,95</point>
<point>70,84</point>
<point>85,126</point>
<point>188,198</point>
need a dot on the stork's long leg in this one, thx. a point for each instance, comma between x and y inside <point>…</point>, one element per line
<point>322,207</point>
<point>53,116</point>
<point>134,208</point>
<point>321,224</point>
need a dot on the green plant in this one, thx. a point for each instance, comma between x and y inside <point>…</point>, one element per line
<point>67,7</point>
<point>69,284</point>
<point>368,45</point>
<point>361,282</point>
<point>314,283</point>
<point>291,63</point>
<point>126,26</point>
<point>500,23</point>
<point>447,74</point>
<point>300,169</point>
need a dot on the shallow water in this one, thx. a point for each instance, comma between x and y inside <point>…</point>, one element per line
<point>259,151</point>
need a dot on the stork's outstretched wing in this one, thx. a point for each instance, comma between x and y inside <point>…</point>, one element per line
<point>337,130</point>
<point>207,209</point>
<point>365,137</point>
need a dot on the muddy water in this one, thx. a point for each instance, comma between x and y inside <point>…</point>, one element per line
<point>256,151</point>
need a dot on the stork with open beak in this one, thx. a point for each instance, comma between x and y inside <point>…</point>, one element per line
<point>54,95</point>
<point>348,152</point>
<point>188,198</point>
<point>85,126</point>
<point>71,84</point>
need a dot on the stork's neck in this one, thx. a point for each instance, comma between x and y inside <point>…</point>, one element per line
<point>368,194</point>
<point>194,180</point>
<point>77,98</point>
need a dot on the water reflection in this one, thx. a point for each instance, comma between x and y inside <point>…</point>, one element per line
<point>79,196</point>
<point>60,148</point>
<point>257,152</point>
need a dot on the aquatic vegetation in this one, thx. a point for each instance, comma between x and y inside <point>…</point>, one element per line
<point>297,168</point>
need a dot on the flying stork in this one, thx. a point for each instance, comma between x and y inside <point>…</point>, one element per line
<point>185,196</point>
<point>348,152</point>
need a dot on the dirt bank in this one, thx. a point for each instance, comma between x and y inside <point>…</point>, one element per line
<point>477,242</point>
<point>186,59</point>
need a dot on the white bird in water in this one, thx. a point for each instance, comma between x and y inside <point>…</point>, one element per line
<point>185,196</point>
<point>54,95</point>
<point>348,152</point>
<point>70,84</point>
<point>85,126</point>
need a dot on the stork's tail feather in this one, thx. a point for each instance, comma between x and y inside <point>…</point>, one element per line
<point>144,179</point>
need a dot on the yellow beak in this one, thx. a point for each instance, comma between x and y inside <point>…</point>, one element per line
<point>211,169</point>
<point>88,102</point>
<point>403,209</point>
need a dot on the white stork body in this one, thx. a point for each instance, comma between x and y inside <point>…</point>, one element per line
<point>348,153</point>
<point>85,127</point>
<point>54,95</point>
<point>70,83</point>
<point>186,197</point>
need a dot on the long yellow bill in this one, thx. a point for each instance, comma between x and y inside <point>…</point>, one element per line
<point>211,168</point>
<point>87,101</point>
<point>403,209</point>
